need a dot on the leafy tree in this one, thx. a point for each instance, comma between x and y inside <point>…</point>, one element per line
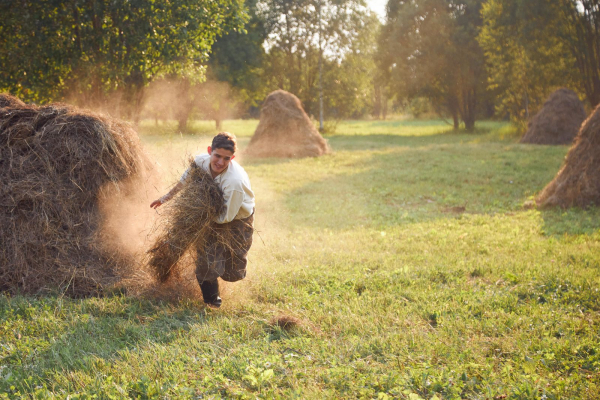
<point>238,56</point>
<point>526,58</point>
<point>97,51</point>
<point>303,32</point>
<point>349,84</point>
<point>429,48</point>
<point>580,34</point>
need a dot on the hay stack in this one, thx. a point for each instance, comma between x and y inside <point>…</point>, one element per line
<point>558,121</point>
<point>285,130</point>
<point>578,181</point>
<point>55,164</point>
<point>7,100</point>
<point>187,220</point>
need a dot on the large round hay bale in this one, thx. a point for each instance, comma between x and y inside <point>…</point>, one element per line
<point>558,121</point>
<point>578,181</point>
<point>56,162</point>
<point>285,130</point>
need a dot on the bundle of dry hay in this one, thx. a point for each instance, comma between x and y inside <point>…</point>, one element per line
<point>285,130</point>
<point>578,181</point>
<point>56,162</point>
<point>558,121</point>
<point>187,221</point>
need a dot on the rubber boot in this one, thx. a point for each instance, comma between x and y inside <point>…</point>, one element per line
<point>210,293</point>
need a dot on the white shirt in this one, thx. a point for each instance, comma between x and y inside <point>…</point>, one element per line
<point>237,192</point>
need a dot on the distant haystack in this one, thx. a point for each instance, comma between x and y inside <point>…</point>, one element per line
<point>56,164</point>
<point>558,121</point>
<point>578,181</point>
<point>285,130</point>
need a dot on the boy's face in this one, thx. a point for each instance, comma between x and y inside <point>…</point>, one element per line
<point>219,159</point>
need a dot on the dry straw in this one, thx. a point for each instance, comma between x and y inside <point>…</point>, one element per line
<point>285,130</point>
<point>56,163</point>
<point>578,181</point>
<point>558,121</point>
<point>186,223</point>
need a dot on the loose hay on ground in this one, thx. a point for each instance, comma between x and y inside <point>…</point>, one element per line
<point>286,322</point>
<point>56,162</point>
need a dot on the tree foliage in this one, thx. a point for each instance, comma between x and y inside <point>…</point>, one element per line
<point>580,33</point>
<point>238,57</point>
<point>526,57</point>
<point>99,51</point>
<point>300,31</point>
<point>428,48</point>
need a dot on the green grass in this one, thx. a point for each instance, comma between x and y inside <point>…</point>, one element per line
<point>400,292</point>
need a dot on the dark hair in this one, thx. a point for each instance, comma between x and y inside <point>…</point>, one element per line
<point>225,140</point>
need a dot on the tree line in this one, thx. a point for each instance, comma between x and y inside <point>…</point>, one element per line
<point>474,58</point>
<point>464,59</point>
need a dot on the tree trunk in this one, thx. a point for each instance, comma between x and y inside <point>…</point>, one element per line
<point>377,101</point>
<point>182,123</point>
<point>185,106</point>
<point>470,123</point>
<point>469,116</point>
<point>384,103</point>
<point>452,103</point>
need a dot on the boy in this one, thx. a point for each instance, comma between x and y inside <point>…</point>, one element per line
<point>215,260</point>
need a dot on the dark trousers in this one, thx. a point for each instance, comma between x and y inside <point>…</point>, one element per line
<point>225,251</point>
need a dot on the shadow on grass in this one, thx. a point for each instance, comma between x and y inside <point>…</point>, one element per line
<point>366,142</point>
<point>415,179</point>
<point>92,329</point>
<point>373,142</point>
<point>573,221</point>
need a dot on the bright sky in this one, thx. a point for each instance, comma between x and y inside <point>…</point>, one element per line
<point>378,6</point>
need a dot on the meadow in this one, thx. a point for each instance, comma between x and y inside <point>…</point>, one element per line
<point>406,257</point>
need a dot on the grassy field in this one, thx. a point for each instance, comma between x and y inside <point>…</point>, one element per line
<point>406,256</point>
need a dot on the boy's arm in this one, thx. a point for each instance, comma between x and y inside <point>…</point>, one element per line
<point>157,203</point>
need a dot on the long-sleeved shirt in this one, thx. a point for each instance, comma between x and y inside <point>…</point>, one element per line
<point>237,192</point>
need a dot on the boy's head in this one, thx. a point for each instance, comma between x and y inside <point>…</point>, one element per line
<point>225,140</point>
<point>222,151</point>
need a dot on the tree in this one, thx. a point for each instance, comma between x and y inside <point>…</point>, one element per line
<point>238,56</point>
<point>96,51</point>
<point>349,84</point>
<point>526,59</point>
<point>429,48</point>
<point>580,34</point>
<point>295,45</point>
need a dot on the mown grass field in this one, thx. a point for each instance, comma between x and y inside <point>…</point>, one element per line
<point>406,255</point>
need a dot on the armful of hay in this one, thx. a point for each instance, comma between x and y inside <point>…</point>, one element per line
<point>188,219</point>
